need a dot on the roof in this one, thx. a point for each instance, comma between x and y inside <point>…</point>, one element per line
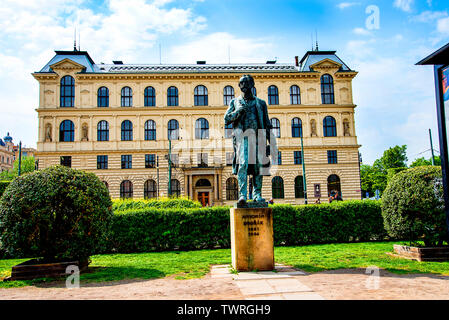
<point>83,58</point>
<point>441,56</point>
<point>2,143</point>
<point>189,68</point>
<point>312,57</point>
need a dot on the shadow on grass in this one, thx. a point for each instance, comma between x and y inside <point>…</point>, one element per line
<point>93,277</point>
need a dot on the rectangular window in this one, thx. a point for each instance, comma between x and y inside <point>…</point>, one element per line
<point>150,161</point>
<point>102,162</point>
<point>297,157</point>
<point>278,159</point>
<point>175,160</point>
<point>127,161</point>
<point>202,160</point>
<point>66,161</point>
<point>229,158</point>
<point>331,156</point>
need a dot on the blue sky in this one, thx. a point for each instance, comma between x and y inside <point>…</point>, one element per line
<point>395,99</point>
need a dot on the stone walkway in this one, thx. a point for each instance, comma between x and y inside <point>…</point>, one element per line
<point>282,284</point>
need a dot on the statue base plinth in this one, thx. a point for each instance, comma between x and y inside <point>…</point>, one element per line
<point>252,246</point>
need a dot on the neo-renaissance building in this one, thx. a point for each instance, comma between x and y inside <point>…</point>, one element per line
<point>117,120</point>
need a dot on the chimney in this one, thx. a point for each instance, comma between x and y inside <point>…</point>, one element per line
<point>297,61</point>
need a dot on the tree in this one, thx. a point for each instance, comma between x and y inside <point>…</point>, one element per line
<point>395,157</point>
<point>27,165</point>
<point>372,179</point>
<point>424,162</point>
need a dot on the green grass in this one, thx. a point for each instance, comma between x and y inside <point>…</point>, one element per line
<point>195,264</point>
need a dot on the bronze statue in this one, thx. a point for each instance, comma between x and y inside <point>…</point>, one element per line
<point>251,130</point>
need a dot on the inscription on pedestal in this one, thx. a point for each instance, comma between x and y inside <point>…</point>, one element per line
<point>252,239</point>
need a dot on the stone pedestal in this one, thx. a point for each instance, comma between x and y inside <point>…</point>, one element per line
<point>252,246</point>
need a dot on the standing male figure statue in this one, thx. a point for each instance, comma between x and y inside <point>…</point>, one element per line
<point>251,130</point>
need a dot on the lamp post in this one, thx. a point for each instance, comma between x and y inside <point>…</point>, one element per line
<point>303,170</point>
<point>20,158</point>
<point>169,168</point>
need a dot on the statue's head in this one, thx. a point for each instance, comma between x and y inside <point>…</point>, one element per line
<point>246,83</point>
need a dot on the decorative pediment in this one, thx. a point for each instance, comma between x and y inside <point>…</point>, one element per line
<point>326,64</point>
<point>67,65</point>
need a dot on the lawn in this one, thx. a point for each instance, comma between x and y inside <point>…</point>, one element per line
<point>195,264</point>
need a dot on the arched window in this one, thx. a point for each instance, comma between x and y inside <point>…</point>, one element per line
<point>228,95</point>
<point>127,130</point>
<point>67,91</point>
<point>254,91</point>
<point>127,97</point>
<point>150,130</point>
<point>273,95</point>
<point>276,127</point>
<point>150,189</point>
<point>173,130</point>
<point>200,96</point>
<point>299,187</point>
<point>150,97</point>
<point>327,89</point>
<point>126,189</point>
<point>228,130</point>
<point>329,127</point>
<point>203,183</point>
<point>277,188</point>
<point>106,185</point>
<point>103,97</point>
<point>295,95</point>
<point>296,128</point>
<point>175,188</point>
<point>103,131</point>
<point>66,131</point>
<point>172,97</point>
<point>232,189</point>
<point>201,129</point>
<point>333,184</point>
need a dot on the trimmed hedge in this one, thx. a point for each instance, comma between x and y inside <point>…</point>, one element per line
<point>152,229</point>
<point>3,186</point>
<point>161,203</point>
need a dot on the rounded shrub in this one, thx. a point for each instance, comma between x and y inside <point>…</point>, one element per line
<point>58,214</point>
<point>413,206</point>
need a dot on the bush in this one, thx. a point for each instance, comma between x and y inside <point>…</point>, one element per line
<point>3,185</point>
<point>57,213</point>
<point>152,229</point>
<point>413,206</point>
<point>161,203</point>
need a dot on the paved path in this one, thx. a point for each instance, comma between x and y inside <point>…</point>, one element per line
<point>282,284</point>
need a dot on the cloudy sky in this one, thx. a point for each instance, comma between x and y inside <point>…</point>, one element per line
<point>382,40</point>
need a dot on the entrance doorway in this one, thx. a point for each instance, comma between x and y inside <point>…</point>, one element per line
<point>203,197</point>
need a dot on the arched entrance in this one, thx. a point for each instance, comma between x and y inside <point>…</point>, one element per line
<point>333,184</point>
<point>203,190</point>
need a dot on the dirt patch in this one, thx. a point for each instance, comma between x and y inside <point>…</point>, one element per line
<point>355,284</point>
<point>334,285</point>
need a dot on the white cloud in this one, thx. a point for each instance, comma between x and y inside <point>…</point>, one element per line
<point>31,30</point>
<point>429,16</point>
<point>404,5</point>
<point>214,48</point>
<point>361,31</point>
<point>443,26</point>
<point>344,5</point>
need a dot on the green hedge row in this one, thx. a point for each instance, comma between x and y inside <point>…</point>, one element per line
<point>3,185</point>
<point>161,203</point>
<point>153,229</point>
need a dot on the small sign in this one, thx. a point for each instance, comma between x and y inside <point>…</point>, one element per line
<point>317,190</point>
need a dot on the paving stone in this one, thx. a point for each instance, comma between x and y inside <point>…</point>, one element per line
<point>247,276</point>
<point>302,296</point>
<point>287,285</point>
<point>266,297</point>
<point>255,287</point>
<point>293,273</point>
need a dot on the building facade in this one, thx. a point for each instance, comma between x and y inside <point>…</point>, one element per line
<point>6,153</point>
<point>122,121</point>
